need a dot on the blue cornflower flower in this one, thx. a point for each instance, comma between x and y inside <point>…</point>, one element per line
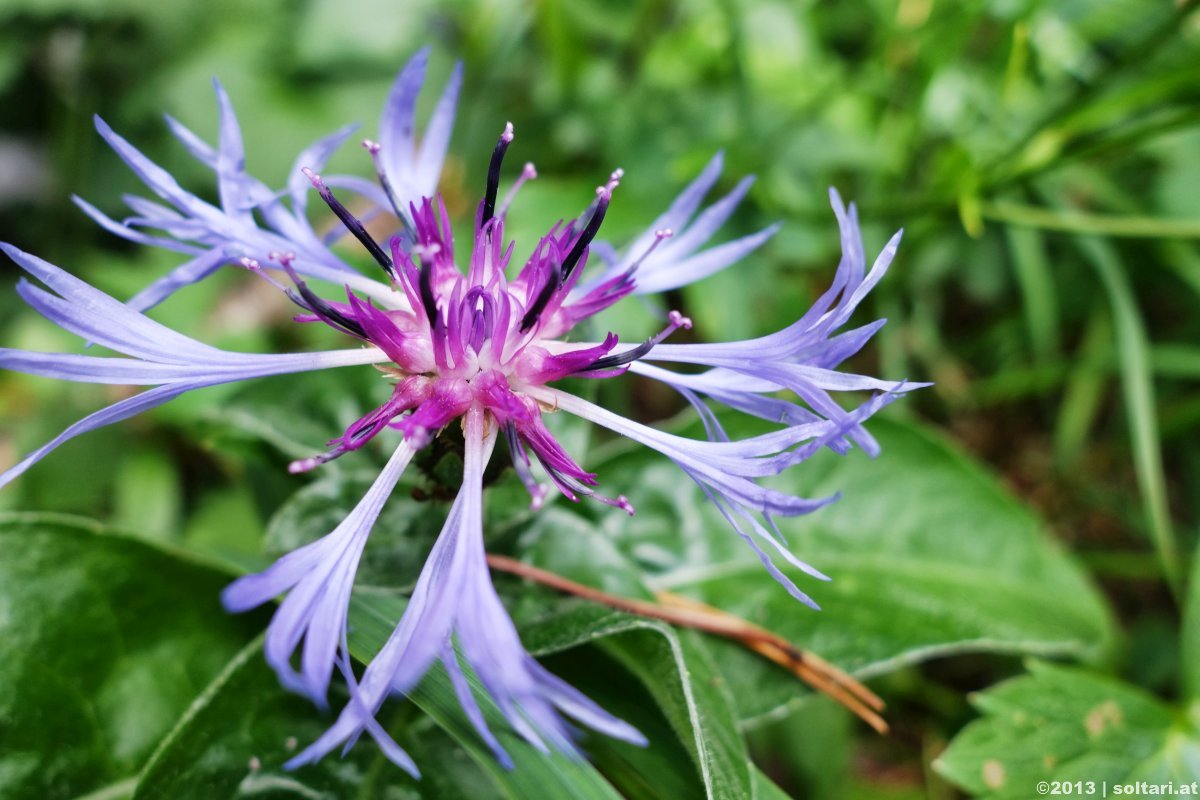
<point>477,346</point>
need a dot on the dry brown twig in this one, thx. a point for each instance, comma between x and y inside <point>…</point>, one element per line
<point>688,613</point>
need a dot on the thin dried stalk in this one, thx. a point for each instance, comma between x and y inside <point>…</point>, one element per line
<point>685,612</point>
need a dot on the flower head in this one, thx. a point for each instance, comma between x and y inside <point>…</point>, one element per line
<point>469,344</point>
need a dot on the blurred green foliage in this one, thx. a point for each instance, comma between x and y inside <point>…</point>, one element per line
<point>1044,160</point>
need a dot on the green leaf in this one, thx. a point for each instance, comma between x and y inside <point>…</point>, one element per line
<point>765,788</point>
<point>678,670</point>
<point>234,739</point>
<point>1065,724</point>
<point>298,422</point>
<point>665,768</point>
<point>107,640</point>
<point>929,556</point>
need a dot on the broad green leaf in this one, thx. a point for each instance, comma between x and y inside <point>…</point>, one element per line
<point>677,669</point>
<point>1065,724</point>
<point>765,788</point>
<point>234,739</point>
<point>571,545</point>
<point>929,556</point>
<point>818,748</point>
<point>665,768</point>
<point>107,640</point>
<point>405,531</point>
<point>683,714</point>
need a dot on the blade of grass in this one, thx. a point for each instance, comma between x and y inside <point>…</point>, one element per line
<point>1177,361</point>
<point>1100,224</point>
<point>1085,389</point>
<point>1178,255</point>
<point>1037,290</point>
<point>1030,149</point>
<point>1172,361</point>
<point>1190,641</point>
<point>1133,352</point>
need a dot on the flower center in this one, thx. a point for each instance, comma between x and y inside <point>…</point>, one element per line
<point>477,339</point>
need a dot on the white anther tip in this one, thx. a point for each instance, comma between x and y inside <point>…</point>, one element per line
<point>537,497</point>
<point>372,146</point>
<point>281,258</point>
<point>303,465</point>
<point>313,177</point>
<point>418,437</point>
<point>508,132</point>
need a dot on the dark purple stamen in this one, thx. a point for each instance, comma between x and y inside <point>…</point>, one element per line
<point>352,223</point>
<point>553,281</point>
<point>563,271</point>
<point>425,287</point>
<point>677,321</point>
<point>493,176</point>
<point>314,303</point>
<point>589,231</point>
